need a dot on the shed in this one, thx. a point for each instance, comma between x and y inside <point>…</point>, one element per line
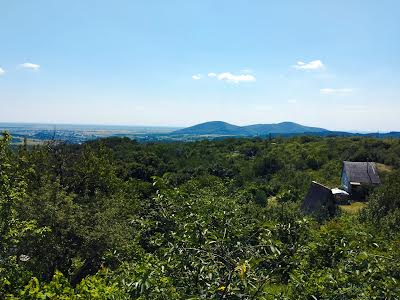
<point>356,175</point>
<point>341,197</point>
<point>319,201</point>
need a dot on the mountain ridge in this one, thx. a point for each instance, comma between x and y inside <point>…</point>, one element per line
<point>224,128</point>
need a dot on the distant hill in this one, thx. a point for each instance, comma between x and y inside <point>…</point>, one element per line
<point>214,127</point>
<point>284,128</point>
<point>223,128</point>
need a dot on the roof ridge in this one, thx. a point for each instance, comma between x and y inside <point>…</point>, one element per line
<point>320,184</point>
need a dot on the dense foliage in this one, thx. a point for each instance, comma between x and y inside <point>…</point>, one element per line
<point>115,219</point>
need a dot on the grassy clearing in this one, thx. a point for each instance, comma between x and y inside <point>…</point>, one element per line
<point>384,168</point>
<point>353,208</point>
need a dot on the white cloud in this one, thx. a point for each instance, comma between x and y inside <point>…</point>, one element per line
<point>312,65</point>
<point>331,91</point>
<point>197,77</point>
<point>30,66</point>
<point>229,77</point>
<point>2,71</point>
<point>292,101</point>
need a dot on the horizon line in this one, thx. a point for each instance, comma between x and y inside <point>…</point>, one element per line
<point>182,127</point>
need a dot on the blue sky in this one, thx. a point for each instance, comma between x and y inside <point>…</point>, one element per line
<point>333,64</point>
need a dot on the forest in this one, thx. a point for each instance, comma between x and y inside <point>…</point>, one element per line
<point>214,219</point>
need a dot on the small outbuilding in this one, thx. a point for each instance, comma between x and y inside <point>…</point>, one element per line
<point>319,201</point>
<point>341,197</point>
<point>357,177</point>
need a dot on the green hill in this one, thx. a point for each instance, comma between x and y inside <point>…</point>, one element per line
<point>214,127</point>
<point>223,128</point>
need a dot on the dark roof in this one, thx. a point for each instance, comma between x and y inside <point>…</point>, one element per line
<point>362,172</point>
<point>318,198</point>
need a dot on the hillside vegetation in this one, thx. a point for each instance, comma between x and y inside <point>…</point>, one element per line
<point>116,219</point>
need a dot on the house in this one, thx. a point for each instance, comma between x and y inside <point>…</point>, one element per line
<point>357,177</point>
<point>319,201</point>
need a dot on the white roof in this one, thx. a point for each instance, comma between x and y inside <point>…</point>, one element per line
<point>337,191</point>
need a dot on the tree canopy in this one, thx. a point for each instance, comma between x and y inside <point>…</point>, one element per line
<point>117,219</point>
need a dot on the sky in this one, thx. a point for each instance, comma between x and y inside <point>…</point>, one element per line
<point>332,64</point>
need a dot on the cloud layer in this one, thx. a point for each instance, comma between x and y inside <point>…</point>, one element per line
<point>30,66</point>
<point>312,65</point>
<point>1,71</point>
